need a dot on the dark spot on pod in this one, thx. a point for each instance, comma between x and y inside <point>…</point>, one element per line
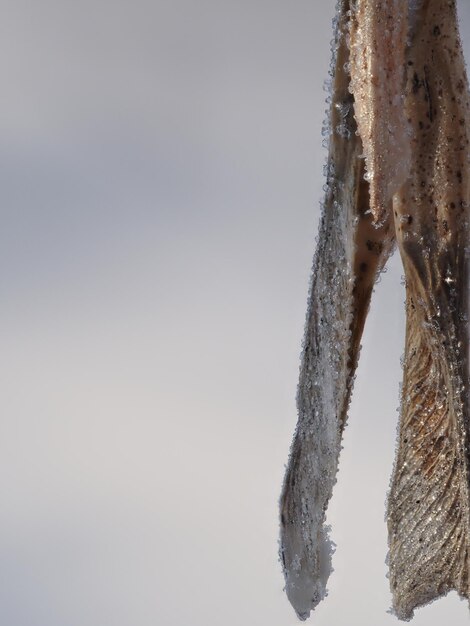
<point>363,267</point>
<point>374,246</point>
<point>436,31</point>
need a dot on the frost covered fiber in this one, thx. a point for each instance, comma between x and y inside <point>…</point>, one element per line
<point>397,173</point>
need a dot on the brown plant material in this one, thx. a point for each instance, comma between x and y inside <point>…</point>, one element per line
<point>428,509</point>
<point>405,108</point>
<point>351,252</point>
<point>378,36</point>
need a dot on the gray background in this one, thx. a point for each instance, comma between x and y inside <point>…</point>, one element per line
<point>160,177</point>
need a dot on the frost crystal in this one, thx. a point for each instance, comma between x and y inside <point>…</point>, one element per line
<point>399,96</point>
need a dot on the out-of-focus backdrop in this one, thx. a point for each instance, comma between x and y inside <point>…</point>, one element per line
<point>160,181</point>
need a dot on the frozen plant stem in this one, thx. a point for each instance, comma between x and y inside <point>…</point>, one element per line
<point>397,169</point>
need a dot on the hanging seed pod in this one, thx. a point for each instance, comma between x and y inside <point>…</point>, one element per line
<point>428,507</point>
<point>351,252</point>
<point>400,99</point>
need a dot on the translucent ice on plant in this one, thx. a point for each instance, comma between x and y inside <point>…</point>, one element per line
<point>378,35</point>
<point>351,252</point>
<point>399,96</point>
<point>428,508</point>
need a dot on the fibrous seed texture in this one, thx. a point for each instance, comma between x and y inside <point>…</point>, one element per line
<point>397,174</point>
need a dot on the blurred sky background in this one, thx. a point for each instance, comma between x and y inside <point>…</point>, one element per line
<point>160,180</point>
